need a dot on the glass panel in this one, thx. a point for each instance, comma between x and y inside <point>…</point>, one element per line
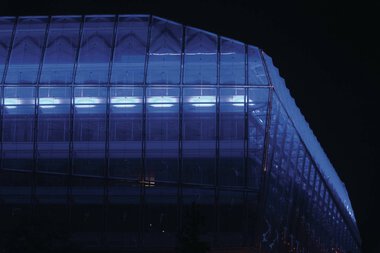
<point>89,130</point>
<point>87,213</point>
<point>53,128</point>
<point>199,135</point>
<point>232,62</point>
<point>200,57</point>
<point>257,112</point>
<point>231,204</point>
<point>198,213</point>
<point>160,220</point>
<point>27,49</point>
<point>95,50</point>
<point>61,50</point>
<point>51,189</point>
<point>123,214</point>
<point>231,135</point>
<point>252,212</point>
<point>125,132</point>
<point>165,52</point>
<point>306,171</point>
<point>311,179</point>
<point>18,128</point>
<point>6,29</point>
<point>130,50</point>
<point>256,71</point>
<point>16,188</point>
<point>162,134</point>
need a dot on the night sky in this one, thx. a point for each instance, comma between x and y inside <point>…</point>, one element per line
<point>327,53</point>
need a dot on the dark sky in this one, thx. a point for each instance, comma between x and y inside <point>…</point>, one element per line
<point>327,53</point>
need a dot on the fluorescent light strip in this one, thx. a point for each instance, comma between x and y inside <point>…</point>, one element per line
<point>49,103</point>
<point>86,102</point>
<point>202,101</point>
<point>129,102</point>
<point>162,101</point>
<point>12,101</point>
<point>125,102</point>
<point>47,106</point>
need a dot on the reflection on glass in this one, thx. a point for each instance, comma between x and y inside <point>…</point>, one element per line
<point>130,50</point>
<point>165,52</point>
<point>95,50</point>
<point>26,50</point>
<point>61,50</point>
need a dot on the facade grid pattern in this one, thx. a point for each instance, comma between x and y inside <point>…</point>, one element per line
<point>119,124</point>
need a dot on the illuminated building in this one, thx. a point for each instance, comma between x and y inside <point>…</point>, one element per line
<point>116,125</point>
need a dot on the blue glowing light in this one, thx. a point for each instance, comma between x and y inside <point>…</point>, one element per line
<point>202,101</point>
<point>142,77</point>
<point>86,102</point>
<point>48,103</point>
<point>162,101</point>
<point>125,102</point>
<point>238,100</point>
<point>12,101</point>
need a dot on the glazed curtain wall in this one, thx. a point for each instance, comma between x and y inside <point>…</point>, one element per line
<point>117,127</point>
<point>114,50</point>
<point>108,113</point>
<point>300,213</point>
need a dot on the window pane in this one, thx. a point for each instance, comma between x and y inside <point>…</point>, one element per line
<point>125,132</point>
<point>89,130</point>
<point>27,49</point>
<point>160,219</point>
<point>123,214</point>
<point>130,50</point>
<point>165,52</point>
<point>199,135</point>
<point>53,128</point>
<point>61,50</point>
<point>231,135</point>
<point>231,204</point>
<point>16,189</point>
<point>18,128</point>
<point>87,215</point>
<point>200,57</point>
<point>95,50</point>
<point>162,134</point>
<point>6,28</point>
<point>257,111</point>
<point>232,62</point>
<point>199,205</point>
<point>51,189</point>
<point>256,72</point>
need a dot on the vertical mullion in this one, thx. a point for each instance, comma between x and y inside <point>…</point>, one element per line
<point>180,137</point>
<point>143,143</point>
<point>35,123</point>
<point>245,148</point>
<point>70,169</point>
<point>294,195</point>
<point>14,28</point>
<point>107,152</point>
<point>288,196</point>
<point>217,151</point>
<point>323,231</point>
<point>302,203</point>
<point>308,186</point>
<point>266,173</point>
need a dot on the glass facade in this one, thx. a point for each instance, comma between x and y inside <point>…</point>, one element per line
<point>117,125</point>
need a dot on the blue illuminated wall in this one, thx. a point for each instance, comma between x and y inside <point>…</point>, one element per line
<point>127,120</point>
